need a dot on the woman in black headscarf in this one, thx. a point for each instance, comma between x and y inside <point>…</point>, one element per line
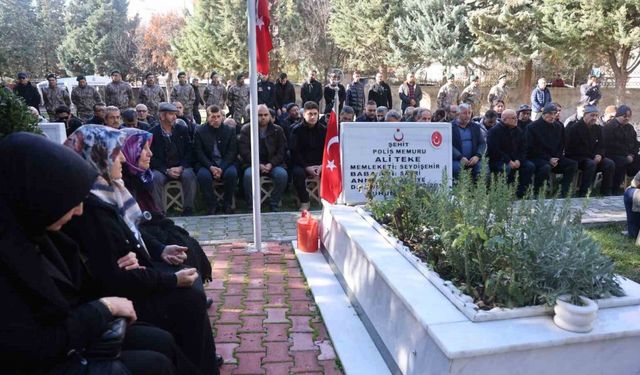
<point>108,230</point>
<point>47,320</point>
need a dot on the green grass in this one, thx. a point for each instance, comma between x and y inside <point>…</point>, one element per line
<point>620,248</point>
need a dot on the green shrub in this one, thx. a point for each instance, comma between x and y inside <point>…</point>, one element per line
<point>500,251</point>
<point>15,115</point>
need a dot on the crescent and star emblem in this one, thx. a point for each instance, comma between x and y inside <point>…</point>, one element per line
<point>331,163</point>
<point>398,136</point>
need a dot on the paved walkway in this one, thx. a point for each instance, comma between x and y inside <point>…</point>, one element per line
<point>264,317</point>
<point>282,225</point>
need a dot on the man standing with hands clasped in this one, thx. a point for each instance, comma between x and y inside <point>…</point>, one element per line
<point>216,151</point>
<point>307,145</point>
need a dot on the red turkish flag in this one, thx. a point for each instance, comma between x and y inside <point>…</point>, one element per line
<point>331,176</point>
<point>263,37</point>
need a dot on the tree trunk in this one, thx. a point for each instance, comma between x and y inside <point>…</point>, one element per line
<point>525,82</point>
<point>621,76</point>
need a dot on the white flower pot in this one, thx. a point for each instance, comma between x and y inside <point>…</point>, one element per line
<point>575,318</point>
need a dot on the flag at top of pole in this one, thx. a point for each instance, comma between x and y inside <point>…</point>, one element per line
<point>263,37</point>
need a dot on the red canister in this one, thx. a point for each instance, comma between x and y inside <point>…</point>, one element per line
<point>307,233</point>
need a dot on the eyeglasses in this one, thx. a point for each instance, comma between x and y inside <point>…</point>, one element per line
<point>141,110</point>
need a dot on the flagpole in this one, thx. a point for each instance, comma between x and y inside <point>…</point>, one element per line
<point>255,153</point>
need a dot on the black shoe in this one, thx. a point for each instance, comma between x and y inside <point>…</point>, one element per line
<point>188,211</point>
<point>219,360</point>
<point>209,302</point>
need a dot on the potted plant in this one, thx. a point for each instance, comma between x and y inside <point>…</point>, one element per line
<point>575,315</point>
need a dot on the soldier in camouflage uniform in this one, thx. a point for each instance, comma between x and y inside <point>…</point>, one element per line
<point>84,97</point>
<point>215,93</point>
<point>238,99</point>
<point>449,93</point>
<point>54,96</point>
<point>499,91</point>
<point>151,95</point>
<point>183,93</point>
<point>118,93</point>
<point>471,94</point>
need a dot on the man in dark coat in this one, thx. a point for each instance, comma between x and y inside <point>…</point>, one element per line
<point>266,92</point>
<point>172,157</point>
<point>524,117</point>
<point>506,148</point>
<point>216,152</point>
<point>27,91</point>
<point>355,94</point>
<point>545,148</point>
<point>380,92</point>
<point>285,92</point>
<point>584,145</point>
<point>99,111</point>
<point>468,143</point>
<point>330,93</point>
<point>621,145</point>
<point>273,150</point>
<point>369,113</point>
<point>311,90</point>
<point>195,83</point>
<point>307,146</point>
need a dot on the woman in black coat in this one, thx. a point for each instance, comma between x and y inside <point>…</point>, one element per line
<point>108,230</point>
<point>48,317</point>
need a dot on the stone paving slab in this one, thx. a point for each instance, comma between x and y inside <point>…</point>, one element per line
<point>264,317</point>
<point>281,226</point>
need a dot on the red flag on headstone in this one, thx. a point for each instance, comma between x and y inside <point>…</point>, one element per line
<point>263,37</point>
<point>331,176</point>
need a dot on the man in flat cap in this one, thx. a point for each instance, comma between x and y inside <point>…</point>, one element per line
<point>449,93</point>
<point>84,97</point>
<point>545,148</point>
<point>119,93</point>
<point>499,91</point>
<point>584,145</point>
<point>171,158</point>
<point>54,96</point>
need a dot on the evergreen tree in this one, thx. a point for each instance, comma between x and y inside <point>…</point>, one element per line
<point>507,28</point>
<point>215,37</point>
<point>17,36</point>
<point>100,38</point>
<point>50,22</point>
<point>586,30</point>
<point>361,28</point>
<point>432,30</point>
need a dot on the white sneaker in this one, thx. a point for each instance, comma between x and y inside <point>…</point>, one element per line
<point>304,206</point>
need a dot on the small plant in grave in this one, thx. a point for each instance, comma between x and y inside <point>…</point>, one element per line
<point>500,252</point>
